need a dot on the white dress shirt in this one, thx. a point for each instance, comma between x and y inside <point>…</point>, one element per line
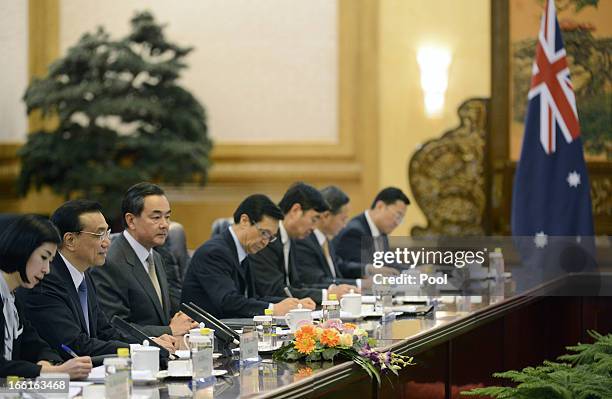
<point>141,252</point>
<point>284,236</point>
<point>375,232</point>
<point>321,238</point>
<point>242,254</point>
<point>77,276</point>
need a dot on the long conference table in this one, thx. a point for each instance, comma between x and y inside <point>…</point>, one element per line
<point>456,347</point>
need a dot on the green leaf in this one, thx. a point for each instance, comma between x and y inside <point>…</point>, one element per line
<point>589,377</point>
<point>329,353</point>
<point>123,118</point>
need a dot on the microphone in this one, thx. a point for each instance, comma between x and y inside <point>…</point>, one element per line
<point>222,331</point>
<point>136,333</point>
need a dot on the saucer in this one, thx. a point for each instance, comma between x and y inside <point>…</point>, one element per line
<point>266,351</point>
<point>187,373</point>
<point>185,354</point>
<point>145,378</point>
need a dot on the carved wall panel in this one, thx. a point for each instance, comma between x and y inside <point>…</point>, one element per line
<point>447,176</point>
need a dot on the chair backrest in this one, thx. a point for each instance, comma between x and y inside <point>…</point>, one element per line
<point>220,225</point>
<point>115,235</point>
<point>176,243</point>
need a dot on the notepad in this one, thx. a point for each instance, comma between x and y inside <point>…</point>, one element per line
<point>96,374</point>
<point>76,387</point>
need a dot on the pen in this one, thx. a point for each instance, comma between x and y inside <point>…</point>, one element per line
<point>69,351</point>
<point>289,294</point>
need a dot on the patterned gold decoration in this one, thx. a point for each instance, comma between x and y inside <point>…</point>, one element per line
<point>601,196</point>
<point>447,176</point>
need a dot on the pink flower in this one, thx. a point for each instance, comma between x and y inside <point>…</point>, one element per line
<point>336,324</point>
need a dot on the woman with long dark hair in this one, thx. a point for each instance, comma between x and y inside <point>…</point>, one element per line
<point>27,246</point>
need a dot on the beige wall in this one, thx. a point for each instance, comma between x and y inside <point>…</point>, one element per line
<point>379,113</point>
<point>463,27</point>
<point>14,70</point>
<point>265,70</point>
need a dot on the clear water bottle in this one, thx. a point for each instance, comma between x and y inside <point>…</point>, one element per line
<point>269,329</point>
<point>13,381</point>
<point>330,308</point>
<point>384,298</point>
<point>118,375</point>
<point>201,348</point>
<point>496,264</point>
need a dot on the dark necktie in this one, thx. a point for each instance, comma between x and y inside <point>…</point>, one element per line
<point>83,300</point>
<point>247,277</point>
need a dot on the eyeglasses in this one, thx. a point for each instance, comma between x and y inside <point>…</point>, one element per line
<point>265,234</point>
<point>398,217</point>
<point>101,236</point>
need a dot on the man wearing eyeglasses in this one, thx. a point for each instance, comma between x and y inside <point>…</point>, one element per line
<point>219,278</point>
<point>276,268</point>
<point>64,308</point>
<point>133,284</point>
<point>366,233</point>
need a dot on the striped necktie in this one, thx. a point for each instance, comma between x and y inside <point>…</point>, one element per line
<point>153,277</point>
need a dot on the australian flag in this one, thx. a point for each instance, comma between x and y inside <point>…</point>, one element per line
<point>551,186</point>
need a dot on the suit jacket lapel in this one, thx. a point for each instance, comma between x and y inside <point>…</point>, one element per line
<point>229,240</point>
<point>245,282</point>
<point>385,239</point>
<point>277,248</point>
<point>294,274</point>
<point>141,275</point>
<point>62,269</point>
<point>91,298</point>
<point>364,224</point>
<point>314,242</point>
<point>371,240</point>
<point>332,253</point>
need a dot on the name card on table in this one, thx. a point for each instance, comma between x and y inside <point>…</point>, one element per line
<point>248,347</point>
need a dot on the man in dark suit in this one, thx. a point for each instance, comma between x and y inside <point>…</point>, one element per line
<point>276,270</point>
<point>132,284</point>
<point>316,257</point>
<point>219,278</point>
<point>64,307</point>
<point>367,232</point>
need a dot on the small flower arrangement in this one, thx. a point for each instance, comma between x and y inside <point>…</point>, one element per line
<point>334,338</point>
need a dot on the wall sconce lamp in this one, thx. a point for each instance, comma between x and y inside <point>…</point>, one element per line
<point>433,63</point>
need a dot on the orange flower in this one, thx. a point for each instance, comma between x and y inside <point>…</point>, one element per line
<point>304,372</point>
<point>305,332</point>
<point>349,326</point>
<point>330,337</point>
<point>305,345</point>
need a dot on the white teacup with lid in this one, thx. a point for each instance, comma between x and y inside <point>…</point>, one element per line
<point>351,303</point>
<point>195,332</point>
<point>145,358</point>
<point>298,316</point>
